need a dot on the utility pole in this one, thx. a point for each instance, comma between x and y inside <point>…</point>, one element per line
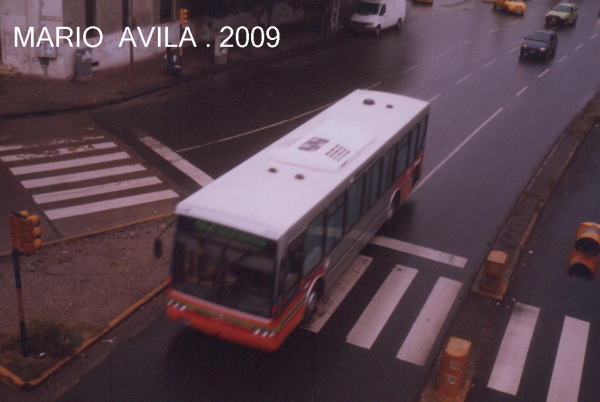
<point>132,26</point>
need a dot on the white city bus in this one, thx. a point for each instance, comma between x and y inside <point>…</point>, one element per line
<point>257,248</point>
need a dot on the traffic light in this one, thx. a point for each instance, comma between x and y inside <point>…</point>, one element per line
<point>15,229</point>
<point>183,16</point>
<point>586,253</point>
<point>25,232</point>
<point>30,234</point>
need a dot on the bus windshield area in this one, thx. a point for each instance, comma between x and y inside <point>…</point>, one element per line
<point>224,266</point>
<point>364,8</point>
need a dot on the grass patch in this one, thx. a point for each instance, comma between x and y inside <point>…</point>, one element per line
<point>47,343</point>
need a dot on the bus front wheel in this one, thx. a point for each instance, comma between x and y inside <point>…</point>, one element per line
<point>312,301</point>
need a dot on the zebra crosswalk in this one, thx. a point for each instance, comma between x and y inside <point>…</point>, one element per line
<point>85,175</point>
<point>417,345</point>
<point>511,358</point>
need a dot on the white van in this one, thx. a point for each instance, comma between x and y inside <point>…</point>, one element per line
<point>375,15</point>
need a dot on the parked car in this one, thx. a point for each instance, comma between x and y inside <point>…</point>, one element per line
<point>539,43</point>
<point>562,13</point>
<point>512,6</point>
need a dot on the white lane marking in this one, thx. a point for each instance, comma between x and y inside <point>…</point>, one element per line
<point>100,206</point>
<point>50,153</point>
<point>336,294</point>
<point>420,251</point>
<point>463,79</point>
<point>579,47</point>
<point>186,167</point>
<point>381,307</point>
<point>469,41</point>
<point>279,123</point>
<point>514,48</point>
<point>373,85</point>
<point>70,178</point>
<point>434,98</point>
<point>451,154</point>
<point>443,54</point>
<point>410,69</point>
<point>562,58</point>
<point>532,15</point>
<point>422,335</point>
<point>568,366</point>
<point>494,30</point>
<point>593,36</point>
<point>490,63</point>
<point>508,367</point>
<point>521,91</point>
<point>544,73</point>
<point>84,138</point>
<point>95,190</point>
<point>91,160</point>
<point>514,22</point>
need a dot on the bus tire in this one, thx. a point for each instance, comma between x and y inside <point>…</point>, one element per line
<point>417,173</point>
<point>393,207</point>
<point>312,300</point>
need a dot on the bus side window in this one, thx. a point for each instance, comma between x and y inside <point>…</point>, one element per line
<point>414,133</point>
<point>291,270</point>
<point>372,185</point>
<point>422,131</point>
<point>313,246</point>
<point>387,172</point>
<point>353,202</point>
<point>402,157</point>
<point>335,222</point>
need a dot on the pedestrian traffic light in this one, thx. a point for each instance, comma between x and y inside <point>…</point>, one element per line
<point>30,234</point>
<point>183,16</point>
<point>586,252</point>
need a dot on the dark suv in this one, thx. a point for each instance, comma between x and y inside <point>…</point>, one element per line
<point>539,43</point>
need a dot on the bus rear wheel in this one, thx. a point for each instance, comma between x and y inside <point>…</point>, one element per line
<point>393,207</point>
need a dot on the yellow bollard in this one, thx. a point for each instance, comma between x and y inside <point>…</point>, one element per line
<point>453,367</point>
<point>493,272</point>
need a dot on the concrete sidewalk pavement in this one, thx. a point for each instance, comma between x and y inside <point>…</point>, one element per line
<point>23,96</point>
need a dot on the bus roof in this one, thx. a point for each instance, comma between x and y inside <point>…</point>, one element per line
<point>270,192</point>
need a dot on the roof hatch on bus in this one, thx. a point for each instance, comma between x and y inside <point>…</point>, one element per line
<point>328,147</point>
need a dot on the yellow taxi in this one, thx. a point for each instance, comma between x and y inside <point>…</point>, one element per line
<point>517,7</point>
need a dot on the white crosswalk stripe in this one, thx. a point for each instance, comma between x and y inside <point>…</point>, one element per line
<point>568,365</point>
<point>508,368</point>
<point>82,175</point>
<point>377,313</point>
<point>384,304</point>
<point>422,335</point>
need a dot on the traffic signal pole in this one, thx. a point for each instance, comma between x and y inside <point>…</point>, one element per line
<point>25,235</point>
<point>17,268</point>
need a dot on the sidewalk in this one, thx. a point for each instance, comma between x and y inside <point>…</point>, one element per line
<point>23,96</point>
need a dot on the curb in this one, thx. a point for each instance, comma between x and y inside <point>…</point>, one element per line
<point>18,383</point>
